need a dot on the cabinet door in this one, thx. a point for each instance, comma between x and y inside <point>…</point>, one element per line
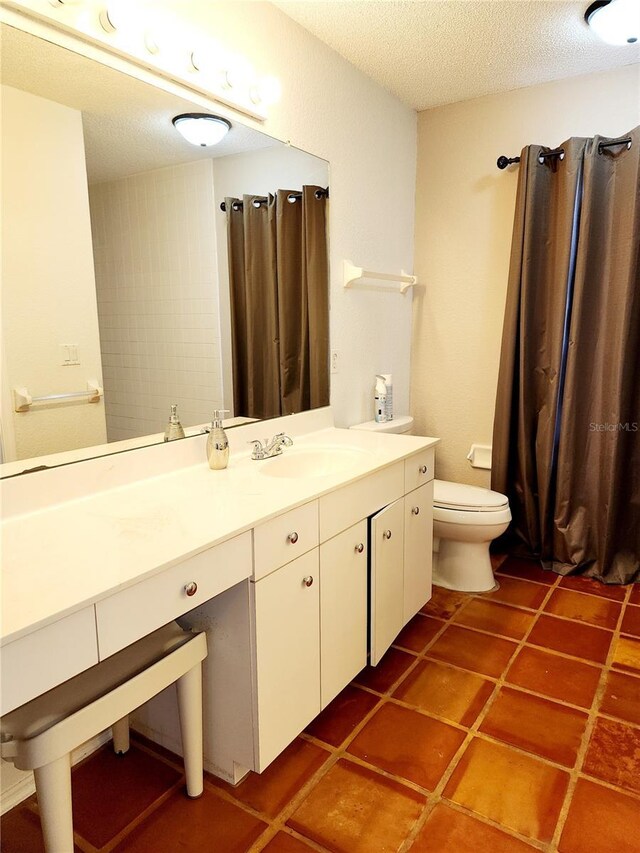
<point>386,589</point>
<point>418,545</point>
<point>343,609</point>
<point>287,643</point>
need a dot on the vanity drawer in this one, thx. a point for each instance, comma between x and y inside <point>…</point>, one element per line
<point>47,657</point>
<point>344,507</point>
<point>137,611</point>
<point>419,469</point>
<point>282,539</point>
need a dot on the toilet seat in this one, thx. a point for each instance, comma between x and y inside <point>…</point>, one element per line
<point>484,518</point>
<point>460,497</point>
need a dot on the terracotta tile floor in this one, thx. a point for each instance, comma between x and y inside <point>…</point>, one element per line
<point>497,724</point>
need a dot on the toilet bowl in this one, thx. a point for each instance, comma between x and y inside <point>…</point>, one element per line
<point>466,519</point>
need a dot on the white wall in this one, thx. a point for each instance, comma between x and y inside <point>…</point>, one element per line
<point>464,217</point>
<point>156,278</point>
<point>254,173</point>
<point>48,288</point>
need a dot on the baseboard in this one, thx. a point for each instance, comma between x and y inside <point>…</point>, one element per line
<point>23,787</point>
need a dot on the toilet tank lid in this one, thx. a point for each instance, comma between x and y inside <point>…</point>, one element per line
<point>402,424</point>
<point>462,496</point>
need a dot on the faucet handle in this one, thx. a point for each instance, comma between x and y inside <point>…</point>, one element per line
<point>258,449</point>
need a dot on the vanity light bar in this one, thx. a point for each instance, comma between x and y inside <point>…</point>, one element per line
<point>119,27</point>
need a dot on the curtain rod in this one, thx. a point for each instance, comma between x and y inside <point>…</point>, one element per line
<point>261,199</point>
<point>502,161</point>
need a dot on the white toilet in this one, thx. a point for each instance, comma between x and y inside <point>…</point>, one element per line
<point>466,519</point>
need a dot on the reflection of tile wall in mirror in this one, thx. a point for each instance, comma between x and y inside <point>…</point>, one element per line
<point>157,288</point>
<point>159,249</point>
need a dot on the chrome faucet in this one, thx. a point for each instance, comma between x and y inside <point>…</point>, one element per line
<point>266,449</point>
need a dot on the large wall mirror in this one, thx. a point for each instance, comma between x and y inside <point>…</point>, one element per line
<point>121,272</point>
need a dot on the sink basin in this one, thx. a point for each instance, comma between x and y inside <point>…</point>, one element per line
<point>313,462</point>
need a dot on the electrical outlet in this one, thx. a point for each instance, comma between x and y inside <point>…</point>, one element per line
<point>335,361</point>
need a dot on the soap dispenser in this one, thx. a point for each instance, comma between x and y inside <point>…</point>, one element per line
<point>217,442</point>
<point>174,427</point>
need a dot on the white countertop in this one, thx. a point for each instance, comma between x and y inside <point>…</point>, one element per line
<point>77,551</point>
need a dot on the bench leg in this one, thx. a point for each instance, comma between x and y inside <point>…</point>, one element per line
<point>189,688</point>
<point>53,787</point>
<point>120,732</point>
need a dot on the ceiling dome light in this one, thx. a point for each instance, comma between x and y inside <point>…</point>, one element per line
<point>615,21</point>
<point>201,128</point>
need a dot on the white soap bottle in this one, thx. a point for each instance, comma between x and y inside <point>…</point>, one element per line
<point>380,400</point>
<point>388,409</point>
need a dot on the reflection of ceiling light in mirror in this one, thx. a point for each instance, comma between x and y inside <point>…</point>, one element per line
<point>615,21</point>
<point>201,128</point>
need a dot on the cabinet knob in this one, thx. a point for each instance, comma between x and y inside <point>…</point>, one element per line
<point>415,510</point>
<point>387,534</point>
<point>191,588</point>
<point>423,469</point>
<point>293,537</point>
<point>360,548</point>
<point>308,581</point>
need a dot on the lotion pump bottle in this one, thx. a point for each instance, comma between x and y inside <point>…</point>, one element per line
<point>174,427</point>
<point>380,400</point>
<point>217,442</point>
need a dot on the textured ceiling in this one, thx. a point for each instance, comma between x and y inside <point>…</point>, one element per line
<point>433,52</point>
<point>127,123</point>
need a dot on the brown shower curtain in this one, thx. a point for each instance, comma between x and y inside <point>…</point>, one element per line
<point>278,272</point>
<point>566,444</point>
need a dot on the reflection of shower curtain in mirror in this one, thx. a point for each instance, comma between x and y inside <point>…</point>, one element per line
<point>279,288</point>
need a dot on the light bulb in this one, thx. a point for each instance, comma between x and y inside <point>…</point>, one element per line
<point>267,91</point>
<point>121,15</point>
<point>616,22</point>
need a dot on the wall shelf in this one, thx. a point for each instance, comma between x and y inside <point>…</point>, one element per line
<point>358,277</point>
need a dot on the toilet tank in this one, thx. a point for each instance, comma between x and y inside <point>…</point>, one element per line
<point>402,424</point>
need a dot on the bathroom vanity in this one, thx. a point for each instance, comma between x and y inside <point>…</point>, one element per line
<point>296,566</point>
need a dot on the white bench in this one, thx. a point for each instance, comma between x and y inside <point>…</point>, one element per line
<point>41,734</point>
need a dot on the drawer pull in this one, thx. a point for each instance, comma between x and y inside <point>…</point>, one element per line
<point>360,548</point>
<point>293,538</point>
<point>387,534</point>
<point>423,469</point>
<point>415,510</point>
<point>308,581</point>
<point>191,588</point>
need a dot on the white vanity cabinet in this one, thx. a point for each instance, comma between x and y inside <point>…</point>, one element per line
<point>295,583</point>
<point>343,609</point>
<point>286,606</point>
<point>387,578</point>
<point>418,542</point>
<point>333,579</point>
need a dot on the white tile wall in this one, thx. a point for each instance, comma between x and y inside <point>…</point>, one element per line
<point>157,285</point>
